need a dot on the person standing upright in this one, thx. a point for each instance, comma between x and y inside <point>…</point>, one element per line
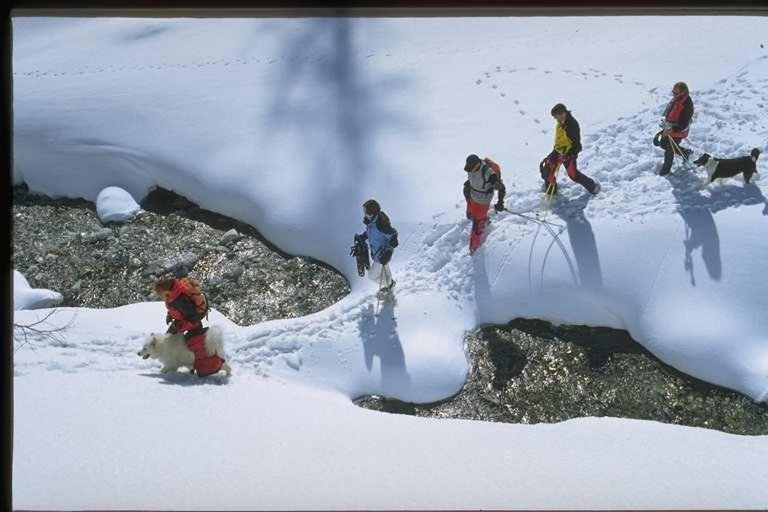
<point>674,126</point>
<point>484,177</point>
<point>565,152</point>
<point>382,240</point>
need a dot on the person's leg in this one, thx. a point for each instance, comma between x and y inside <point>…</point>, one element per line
<point>573,173</point>
<point>387,279</point>
<point>679,150</point>
<point>669,155</point>
<point>554,159</point>
<point>374,274</point>
<point>479,214</point>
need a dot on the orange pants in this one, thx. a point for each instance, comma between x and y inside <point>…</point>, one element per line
<point>478,213</point>
<point>204,364</point>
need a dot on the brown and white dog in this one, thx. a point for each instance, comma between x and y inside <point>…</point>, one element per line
<point>728,168</point>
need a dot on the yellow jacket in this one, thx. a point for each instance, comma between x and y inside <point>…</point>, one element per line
<point>563,143</point>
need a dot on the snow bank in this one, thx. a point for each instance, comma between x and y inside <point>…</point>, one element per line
<point>114,204</point>
<point>26,297</point>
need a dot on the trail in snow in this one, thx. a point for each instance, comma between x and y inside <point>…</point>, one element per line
<point>435,273</point>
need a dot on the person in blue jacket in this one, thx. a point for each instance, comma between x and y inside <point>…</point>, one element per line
<point>382,240</point>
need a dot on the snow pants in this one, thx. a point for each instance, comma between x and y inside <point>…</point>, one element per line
<point>376,271</point>
<point>204,364</point>
<point>478,214</point>
<point>549,165</point>
<point>669,152</point>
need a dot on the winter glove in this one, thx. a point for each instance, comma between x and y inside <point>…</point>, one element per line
<point>173,328</point>
<point>394,242</point>
<point>385,256</point>
<point>499,206</point>
<point>353,251</point>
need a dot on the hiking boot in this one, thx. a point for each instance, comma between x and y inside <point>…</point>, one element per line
<point>664,171</point>
<point>596,188</point>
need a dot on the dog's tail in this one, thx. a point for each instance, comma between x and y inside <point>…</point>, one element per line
<point>214,341</point>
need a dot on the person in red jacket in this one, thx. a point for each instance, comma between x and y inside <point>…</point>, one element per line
<point>185,315</point>
<point>675,125</point>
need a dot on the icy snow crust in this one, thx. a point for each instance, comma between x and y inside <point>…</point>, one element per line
<point>289,125</point>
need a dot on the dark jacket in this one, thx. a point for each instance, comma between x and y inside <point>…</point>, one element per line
<point>573,131</point>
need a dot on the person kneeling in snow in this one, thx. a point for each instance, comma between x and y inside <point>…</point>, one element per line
<point>382,240</point>
<point>484,178</point>
<point>187,306</point>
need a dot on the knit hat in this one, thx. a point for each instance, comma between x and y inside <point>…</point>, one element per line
<point>472,161</point>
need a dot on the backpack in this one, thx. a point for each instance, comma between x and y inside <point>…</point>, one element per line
<point>191,288</point>
<point>496,168</point>
<point>493,165</point>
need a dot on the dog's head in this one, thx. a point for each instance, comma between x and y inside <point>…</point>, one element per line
<point>148,350</point>
<point>702,160</point>
<point>755,154</point>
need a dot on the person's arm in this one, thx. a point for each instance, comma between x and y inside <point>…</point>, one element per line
<point>467,190</point>
<point>495,180</point>
<point>573,131</point>
<point>383,224</point>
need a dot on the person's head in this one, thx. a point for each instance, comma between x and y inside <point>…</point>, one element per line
<point>679,89</point>
<point>371,208</point>
<point>163,286</point>
<point>559,112</point>
<point>473,163</point>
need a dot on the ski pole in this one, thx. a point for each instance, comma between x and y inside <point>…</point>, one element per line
<point>532,218</point>
<point>550,190</point>
<point>378,294</point>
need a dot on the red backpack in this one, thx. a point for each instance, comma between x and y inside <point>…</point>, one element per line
<point>194,292</point>
<point>493,165</point>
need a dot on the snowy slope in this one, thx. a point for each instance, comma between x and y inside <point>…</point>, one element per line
<point>263,445</point>
<point>289,125</point>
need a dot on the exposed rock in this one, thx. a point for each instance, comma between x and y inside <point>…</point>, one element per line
<point>230,236</point>
<point>533,372</point>
<point>97,236</point>
<point>155,244</point>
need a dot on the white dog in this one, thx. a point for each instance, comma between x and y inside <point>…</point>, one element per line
<point>172,351</point>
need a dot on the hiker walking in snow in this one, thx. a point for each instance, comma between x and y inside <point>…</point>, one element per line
<point>565,152</point>
<point>484,177</point>
<point>677,120</point>
<point>382,240</point>
<point>187,306</point>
